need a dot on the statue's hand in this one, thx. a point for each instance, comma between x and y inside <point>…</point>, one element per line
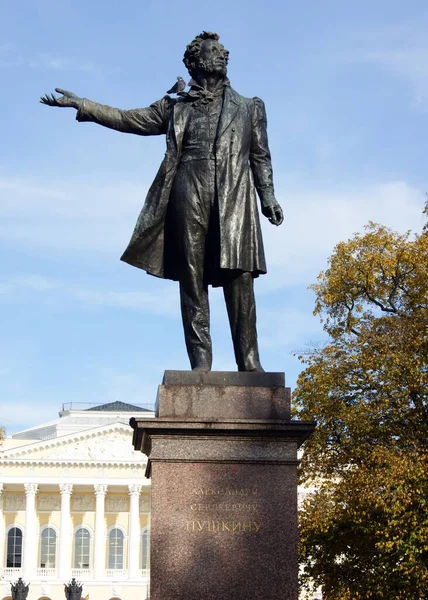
<point>68,99</point>
<point>274,214</point>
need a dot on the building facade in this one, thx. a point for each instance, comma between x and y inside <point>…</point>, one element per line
<point>74,503</point>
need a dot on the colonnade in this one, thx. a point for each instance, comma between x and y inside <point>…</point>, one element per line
<point>30,539</point>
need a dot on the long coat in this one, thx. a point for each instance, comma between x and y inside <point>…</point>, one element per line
<point>243,164</point>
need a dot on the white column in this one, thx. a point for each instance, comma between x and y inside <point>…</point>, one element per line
<point>64,570</point>
<point>133,530</point>
<point>2,532</point>
<point>31,551</point>
<point>99,545</point>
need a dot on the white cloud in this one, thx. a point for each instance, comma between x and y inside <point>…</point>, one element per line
<point>411,65</point>
<point>126,387</point>
<point>401,49</point>
<point>288,327</point>
<point>69,215</point>
<point>34,282</point>
<point>13,56</point>
<point>56,63</point>
<point>31,411</point>
<point>162,301</point>
<point>157,303</point>
<point>314,222</point>
<point>79,217</point>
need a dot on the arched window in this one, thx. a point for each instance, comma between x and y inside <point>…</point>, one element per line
<point>145,549</point>
<point>115,549</point>
<point>82,548</point>
<point>14,547</point>
<point>48,548</point>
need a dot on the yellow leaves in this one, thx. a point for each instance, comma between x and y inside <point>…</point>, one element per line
<point>379,271</point>
<point>365,531</point>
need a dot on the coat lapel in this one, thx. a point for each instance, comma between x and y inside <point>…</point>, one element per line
<point>181,114</point>
<point>230,108</point>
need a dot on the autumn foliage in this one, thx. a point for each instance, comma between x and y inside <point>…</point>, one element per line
<point>364,532</point>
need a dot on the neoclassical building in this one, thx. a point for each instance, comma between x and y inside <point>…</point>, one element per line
<point>74,503</point>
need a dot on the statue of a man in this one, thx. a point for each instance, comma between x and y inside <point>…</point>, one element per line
<point>200,224</point>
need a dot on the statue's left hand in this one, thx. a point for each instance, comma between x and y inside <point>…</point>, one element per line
<point>274,214</point>
<point>67,100</point>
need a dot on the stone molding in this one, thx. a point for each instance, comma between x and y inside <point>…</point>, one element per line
<point>65,489</point>
<point>31,489</point>
<point>70,450</point>
<point>100,489</point>
<point>134,489</point>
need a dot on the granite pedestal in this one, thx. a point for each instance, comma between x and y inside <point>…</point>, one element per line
<point>222,455</point>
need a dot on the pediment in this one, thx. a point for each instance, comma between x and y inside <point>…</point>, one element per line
<point>101,444</point>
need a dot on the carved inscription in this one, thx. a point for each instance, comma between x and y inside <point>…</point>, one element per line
<point>240,507</point>
<point>222,526</point>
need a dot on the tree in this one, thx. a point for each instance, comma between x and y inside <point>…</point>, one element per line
<point>364,532</point>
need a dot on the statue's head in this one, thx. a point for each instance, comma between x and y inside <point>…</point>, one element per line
<point>206,54</point>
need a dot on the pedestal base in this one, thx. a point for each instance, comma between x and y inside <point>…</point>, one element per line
<point>224,489</point>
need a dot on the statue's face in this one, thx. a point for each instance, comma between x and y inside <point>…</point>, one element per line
<point>212,57</point>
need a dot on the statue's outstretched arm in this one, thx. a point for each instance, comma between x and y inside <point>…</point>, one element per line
<point>152,120</point>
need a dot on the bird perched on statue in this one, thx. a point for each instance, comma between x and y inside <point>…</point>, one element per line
<point>178,86</point>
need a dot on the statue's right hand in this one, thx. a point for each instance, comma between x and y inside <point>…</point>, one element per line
<point>68,99</point>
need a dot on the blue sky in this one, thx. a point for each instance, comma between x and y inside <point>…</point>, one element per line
<point>346,90</point>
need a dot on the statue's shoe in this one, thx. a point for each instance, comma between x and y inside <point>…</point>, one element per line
<point>202,367</point>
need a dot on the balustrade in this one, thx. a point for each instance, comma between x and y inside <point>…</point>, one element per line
<point>46,573</point>
<point>12,572</point>
<point>81,574</point>
<point>115,573</point>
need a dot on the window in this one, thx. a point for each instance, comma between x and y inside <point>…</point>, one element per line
<point>82,548</point>
<point>115,549</point>
<point>14,547</point>
<point>145,549</point>
<point>48,548</point>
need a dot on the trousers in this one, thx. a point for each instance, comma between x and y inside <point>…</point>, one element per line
<point>196,222</point>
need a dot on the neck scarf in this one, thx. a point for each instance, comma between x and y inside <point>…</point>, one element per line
<point>198,92</point>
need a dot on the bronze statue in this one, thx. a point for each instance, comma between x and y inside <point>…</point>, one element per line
<point>200,224</point>
<point>19,590</point>
<point>73,591</point>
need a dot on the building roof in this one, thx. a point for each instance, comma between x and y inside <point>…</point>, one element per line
<point>81,416</point>
<point>121,406</point>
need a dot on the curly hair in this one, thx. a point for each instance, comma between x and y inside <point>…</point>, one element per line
<point>191,56</point>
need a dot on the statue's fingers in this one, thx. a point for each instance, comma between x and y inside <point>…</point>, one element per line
<point>65,93</point>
